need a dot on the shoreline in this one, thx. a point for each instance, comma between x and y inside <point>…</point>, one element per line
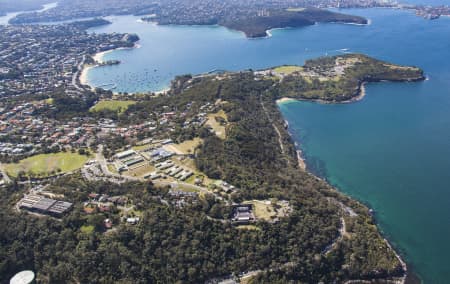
<point>163,91</point>
<point>83,75</point>
<point>303,165</point>
<point>98,57</point>
<point>406,270</point>
<point>359,97</point>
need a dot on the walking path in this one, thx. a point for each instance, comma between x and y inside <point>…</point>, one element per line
<point>280,139</point>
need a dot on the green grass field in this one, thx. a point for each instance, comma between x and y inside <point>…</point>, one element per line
<point>87,229</point>
<point>119,106</point>
<point>248,227</point>
<point>141,147</point>
<point>44,164</point>
<point>187,147</point>
<point>49,101</point>
<point>289,69</point>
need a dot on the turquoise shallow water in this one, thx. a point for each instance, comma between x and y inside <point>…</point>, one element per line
<point>390,150</point>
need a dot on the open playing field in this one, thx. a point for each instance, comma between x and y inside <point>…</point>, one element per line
<point>119,106</point>
<point>286,70</point>
<point>44,164</point>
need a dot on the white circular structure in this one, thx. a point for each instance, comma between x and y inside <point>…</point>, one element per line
<point>23,277</point>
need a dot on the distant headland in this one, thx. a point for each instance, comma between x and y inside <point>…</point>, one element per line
<point>257,26</point>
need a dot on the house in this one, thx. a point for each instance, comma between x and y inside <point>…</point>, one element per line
<point>118,200</point>
<point>94,196</point>
<point>133,220</point>
<point>104,208</point>
<point>160,154</point>
<point>243,214</point>
<point>125,154</point>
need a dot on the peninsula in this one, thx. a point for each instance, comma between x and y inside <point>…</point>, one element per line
<point>339,78</point>
<point>200,184</point>
<point>257,25</point>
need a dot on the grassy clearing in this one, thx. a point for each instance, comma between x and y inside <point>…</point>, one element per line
<point>190,180</point>
<point>129,212</point>
<point>216,125</point>
<point>399,67</point>
<point>185,188</point>
<point>118,106</point>
<point>49,101</point>
<point>288,69</point>
<point>44,164</point>
<point>187,147</point>
<point>266,210</point>
<point>112,168</point>
<point>248,227</point>
<point>263,210</point>
<point>141,171</point>
<point>140,147</point>
<point>87,229</point>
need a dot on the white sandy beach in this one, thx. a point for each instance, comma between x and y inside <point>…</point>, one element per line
<point>83,75</point>
<point>162,92</point>
<point>285,100</point>
<point>98,57</point>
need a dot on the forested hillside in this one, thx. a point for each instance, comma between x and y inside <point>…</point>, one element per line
<point>327,237</point>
